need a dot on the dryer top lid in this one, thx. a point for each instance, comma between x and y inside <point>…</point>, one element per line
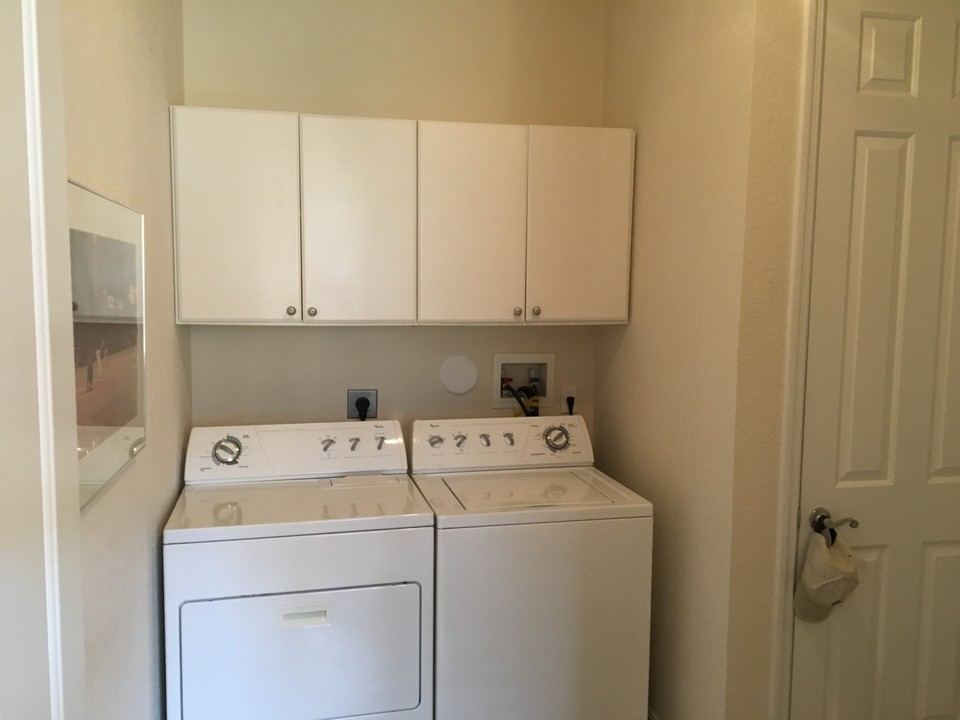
<point>321,506</point>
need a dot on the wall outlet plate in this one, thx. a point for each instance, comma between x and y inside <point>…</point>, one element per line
<point>353,396</point>
<point>522,365</point>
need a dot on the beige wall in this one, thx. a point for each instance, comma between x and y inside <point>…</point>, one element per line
<point>682,74</point>
<point>690,395</point>
<point>122,68</point>
<point>500,61</point>
<point>277,374</point>
<point>529,61</point>
<point>752,657</point>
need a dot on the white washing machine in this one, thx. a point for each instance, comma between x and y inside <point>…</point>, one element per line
<point>298,577</point>
<point>543,573</point>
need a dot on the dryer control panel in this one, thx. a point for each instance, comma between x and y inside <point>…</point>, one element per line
<point>500,443</point>
<point>283,452</point>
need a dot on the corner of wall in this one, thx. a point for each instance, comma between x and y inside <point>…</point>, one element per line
<point>667,384</point>
<point>123,67</point>
<point>770,218</point>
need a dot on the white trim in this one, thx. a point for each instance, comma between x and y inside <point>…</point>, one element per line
<point>797,337</point>
<point>44,181</point>
<point>41,310</point>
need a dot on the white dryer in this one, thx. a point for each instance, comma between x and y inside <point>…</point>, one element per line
<point>298,577</point>
<point>543,573</point>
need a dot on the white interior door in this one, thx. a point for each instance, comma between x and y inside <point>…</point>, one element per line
<point>882,409</point>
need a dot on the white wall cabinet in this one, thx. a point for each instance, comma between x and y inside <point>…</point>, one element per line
<point>283,218</point>
<point>359,194</point>
<point>237,215</point>
<point>473,222</point>
<point>521,224</point>
<point>579,219</point>
<point>242,180</point>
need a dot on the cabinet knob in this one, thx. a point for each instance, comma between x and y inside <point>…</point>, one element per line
<point>312,312</point>
<point>291,310</point>
<point>518,311</point>
<point>536,309</point>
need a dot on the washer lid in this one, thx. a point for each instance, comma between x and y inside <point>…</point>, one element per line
<point>514,497</point>
<point>495,491</point>
<point>248,510</point>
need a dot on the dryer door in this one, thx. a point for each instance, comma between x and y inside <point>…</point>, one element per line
<point>322,655</point>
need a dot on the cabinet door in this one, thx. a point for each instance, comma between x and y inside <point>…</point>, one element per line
<point>359,190</point>
<point>579,224</point>
<point>473,191</point>
<point>237,215</point>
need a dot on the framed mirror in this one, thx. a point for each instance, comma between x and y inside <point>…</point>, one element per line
<point>107,274</point>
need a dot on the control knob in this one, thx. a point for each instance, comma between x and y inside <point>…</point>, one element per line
<point>435,441</point>
<point>227,450</point>
<point>556,437</point>
<point>460,438</point>
<point>327,443</point>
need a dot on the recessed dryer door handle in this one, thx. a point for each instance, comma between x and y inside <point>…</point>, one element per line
<point>305,616</point>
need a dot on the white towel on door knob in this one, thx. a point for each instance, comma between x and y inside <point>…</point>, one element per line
<point>829,575</point>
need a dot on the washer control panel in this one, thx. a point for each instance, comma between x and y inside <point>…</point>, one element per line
<point>500,443</point>
<point>284,452</point>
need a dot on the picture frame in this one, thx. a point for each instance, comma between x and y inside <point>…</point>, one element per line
<point>107,290</point>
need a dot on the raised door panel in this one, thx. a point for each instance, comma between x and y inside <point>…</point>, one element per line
<point>563,605</point>
<point>359,189</point>
<point>881,404</point>
<point>328,654</point>
<point>472,200</point>
<point>579,224</point>
<point>237,215</point>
